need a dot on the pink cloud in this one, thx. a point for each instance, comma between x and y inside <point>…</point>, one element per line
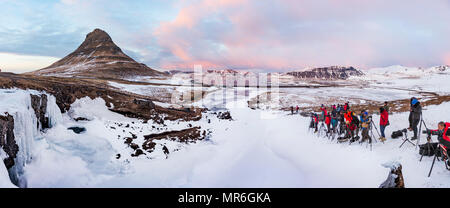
<point>298,33</point>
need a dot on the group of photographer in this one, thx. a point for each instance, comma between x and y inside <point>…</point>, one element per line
<point>341,120</point>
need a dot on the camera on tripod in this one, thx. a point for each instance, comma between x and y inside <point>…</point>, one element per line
<point>429,132</point>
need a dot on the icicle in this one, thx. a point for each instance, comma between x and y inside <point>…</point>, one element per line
<point>53,112</point>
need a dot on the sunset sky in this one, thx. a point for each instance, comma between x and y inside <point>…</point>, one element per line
<point>277,35</point>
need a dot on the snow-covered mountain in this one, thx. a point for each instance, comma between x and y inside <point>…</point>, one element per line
<point>98,56</point>
<point>327,73</point>
<point>398,71</point>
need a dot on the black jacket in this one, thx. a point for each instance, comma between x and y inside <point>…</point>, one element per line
<point>416,112</point>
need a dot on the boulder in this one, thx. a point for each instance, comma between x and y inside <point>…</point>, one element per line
<point>395,176</point>
<point>77,130</point>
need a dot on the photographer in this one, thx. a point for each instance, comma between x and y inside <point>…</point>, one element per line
<point>365,122</point>
<point>414,116</point>
<point>442,134</point>
<point>384,121</point>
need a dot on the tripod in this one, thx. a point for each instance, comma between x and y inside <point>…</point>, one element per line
<point>420,128</point>
<point>376,129</point>
<point>322,126</point>
<point>428,146</point>
<point>443,154</point>
<point>405,135</point>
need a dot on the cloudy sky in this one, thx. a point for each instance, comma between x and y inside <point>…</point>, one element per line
<point>240,34</point>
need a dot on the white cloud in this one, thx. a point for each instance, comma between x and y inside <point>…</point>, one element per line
<point>10,62</point>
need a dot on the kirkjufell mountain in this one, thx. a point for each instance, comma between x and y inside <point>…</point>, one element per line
<point>98,56</point>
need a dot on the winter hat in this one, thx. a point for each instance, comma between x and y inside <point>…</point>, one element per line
<point>414,101</point>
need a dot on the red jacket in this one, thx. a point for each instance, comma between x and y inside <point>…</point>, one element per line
<point>444,136</point>
<point>324,111</point>
<point>328,120</point>
<point>348,117</point>
<point>384,118</point>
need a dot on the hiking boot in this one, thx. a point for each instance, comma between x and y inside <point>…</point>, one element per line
<point>383,139</point>
<point>413,138</point>
<point>315,131</point>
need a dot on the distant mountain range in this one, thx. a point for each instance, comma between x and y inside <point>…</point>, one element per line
<point>327,73</point>
<point>98,56</point>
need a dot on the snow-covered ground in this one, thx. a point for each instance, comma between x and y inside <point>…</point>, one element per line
<point>258,148</point>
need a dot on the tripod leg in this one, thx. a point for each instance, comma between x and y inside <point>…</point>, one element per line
<point>402,143</point>
<point>420,130</point>
<point>432,164</point>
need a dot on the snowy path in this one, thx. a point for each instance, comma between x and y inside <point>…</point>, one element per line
<point>279,152</point>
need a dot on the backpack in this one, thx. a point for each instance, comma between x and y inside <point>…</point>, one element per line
<point>429,149</point>
<point>397,134</point>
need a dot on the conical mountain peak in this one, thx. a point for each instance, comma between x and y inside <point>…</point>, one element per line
<point>98,56</point>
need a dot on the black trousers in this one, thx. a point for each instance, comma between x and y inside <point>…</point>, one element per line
<point>414,127</point>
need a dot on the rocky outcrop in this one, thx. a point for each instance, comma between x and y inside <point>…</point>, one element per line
<point>185,136</point>
<point>224,115</point>
<point>98,56</point>
<point>7,139</point>
<point>68,90</point>
<point>39,105</point>
<point>395,176</point>
<point>328,73</point>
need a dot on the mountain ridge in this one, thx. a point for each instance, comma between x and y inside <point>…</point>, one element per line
<point>98,56</point>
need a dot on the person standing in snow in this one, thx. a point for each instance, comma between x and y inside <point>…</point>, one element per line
<point>316,122</point>
<point>328,122</point>
<point>386,106</point>
<point>296,109</point>
<point>352,123</point>
<point>292,110</point>
<point>334,119</point>
<point>414,116</point>
<point>384,121</point>
<point>324,112</point>
<point>346,107</point>
<point>365,122</point>
<point>339,108</point>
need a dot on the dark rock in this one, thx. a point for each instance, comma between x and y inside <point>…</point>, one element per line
<point>224,115</point>
<point>77,130</point>
<point>185,136</point>
<point>7,139</point>
<point>81,119</point>
<point>133,135</point>
<point>39,105</point>
<point>128,140</point>
<point>165,150</point>
<point>137,153</point>
<point>118,156</point>
<point>134,146</point>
